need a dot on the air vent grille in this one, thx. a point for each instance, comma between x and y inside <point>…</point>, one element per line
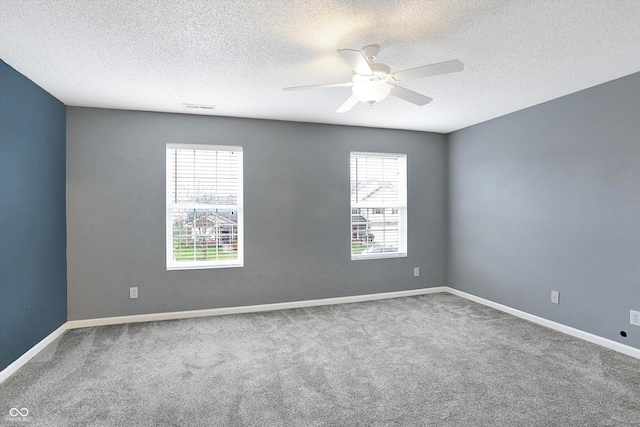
<point>199,106</point>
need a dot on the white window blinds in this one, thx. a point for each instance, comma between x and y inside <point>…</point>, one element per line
<point>378,205</point>
<point>204,206</point>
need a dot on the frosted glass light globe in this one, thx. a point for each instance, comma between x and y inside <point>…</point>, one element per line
<point>371,91</point>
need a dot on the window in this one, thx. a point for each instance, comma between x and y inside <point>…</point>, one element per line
<point>378,205</point>
<point>204,206</point>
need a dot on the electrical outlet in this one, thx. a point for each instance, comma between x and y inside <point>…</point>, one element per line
<point>634,317</point>
<point>555,297</point>
<point>416,272</point>
<point>133,293</point>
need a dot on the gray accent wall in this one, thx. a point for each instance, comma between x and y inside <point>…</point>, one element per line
<point>548,198</point>
<point>297,215</point>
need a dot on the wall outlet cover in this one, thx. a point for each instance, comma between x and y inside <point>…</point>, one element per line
<point>133,293</point>
<point>555,297</point>
<point>634,317</point>
<point>416,271</point>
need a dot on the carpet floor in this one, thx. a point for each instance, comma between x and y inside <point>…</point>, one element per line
<point>432,360</point>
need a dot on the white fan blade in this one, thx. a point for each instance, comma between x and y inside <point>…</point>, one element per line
<point>356,59</point>
<point>429,70</point>
<point>409,95</point>
<point>348,105</point>
<point>345,84</point>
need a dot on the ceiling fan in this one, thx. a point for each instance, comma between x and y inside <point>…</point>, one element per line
<point>372,82</point>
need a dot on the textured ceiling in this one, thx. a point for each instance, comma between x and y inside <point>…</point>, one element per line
<point>238,55</point>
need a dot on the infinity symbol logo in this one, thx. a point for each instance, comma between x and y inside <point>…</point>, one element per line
<point>14,412</point>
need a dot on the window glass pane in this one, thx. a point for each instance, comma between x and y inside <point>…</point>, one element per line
<point>375,230</point>
<point>205,234</point>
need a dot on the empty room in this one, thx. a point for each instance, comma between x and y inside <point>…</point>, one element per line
<point>330,213</point>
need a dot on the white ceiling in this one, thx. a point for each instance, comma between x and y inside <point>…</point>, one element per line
<point>155,55</point>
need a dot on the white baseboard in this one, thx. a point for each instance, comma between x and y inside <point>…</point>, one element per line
<point>72,324</point>
<point>596,339</point>
<point>19,362</point>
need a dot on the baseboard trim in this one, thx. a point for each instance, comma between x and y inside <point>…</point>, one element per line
<point>19,362</point>
<point>153,317</point>
<point>596,339</point>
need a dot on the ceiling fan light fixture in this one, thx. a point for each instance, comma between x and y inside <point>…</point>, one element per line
<point>372,82</point>
<point>371,91</point>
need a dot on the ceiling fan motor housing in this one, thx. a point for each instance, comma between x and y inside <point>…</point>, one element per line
<point>380,73</point>
<point>380,70</point>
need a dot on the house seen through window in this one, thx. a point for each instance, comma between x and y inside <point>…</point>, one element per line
<point>204,222</point>
<point>378,205</point>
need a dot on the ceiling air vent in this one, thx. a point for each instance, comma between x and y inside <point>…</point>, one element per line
<point>199,106</point>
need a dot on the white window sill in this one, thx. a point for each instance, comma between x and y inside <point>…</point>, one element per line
<point>378,256</point>
<point>202,266</point>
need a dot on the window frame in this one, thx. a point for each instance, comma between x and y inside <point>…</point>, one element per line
<point>400,205</point>
<point>171,264</point>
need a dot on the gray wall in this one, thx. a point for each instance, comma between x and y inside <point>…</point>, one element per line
<point>548,198</point>
<point>297,218</point>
